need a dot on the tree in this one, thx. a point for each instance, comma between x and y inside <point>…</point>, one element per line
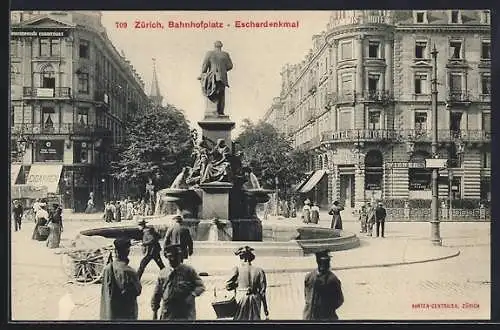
<point>157,145</point>
<point>271,155</point>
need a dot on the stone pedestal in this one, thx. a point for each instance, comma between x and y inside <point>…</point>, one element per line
<point>208,230</point>
<point>217,127</point>
<point>215,198</point>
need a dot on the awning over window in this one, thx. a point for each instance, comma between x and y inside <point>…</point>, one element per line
<point>14,173</point>
<point>296,187</point>
<point>313,181</point>
<point>45,175</point>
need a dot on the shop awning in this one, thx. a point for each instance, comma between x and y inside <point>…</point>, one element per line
<point>296,187</point>
<point>313,181</point>
<point>19,191</point>
<point>14,173</point>
<point>45,175</point>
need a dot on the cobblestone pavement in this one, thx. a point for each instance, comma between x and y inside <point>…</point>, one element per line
<point>38,284</point>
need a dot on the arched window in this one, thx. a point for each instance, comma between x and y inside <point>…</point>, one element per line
<point>419,177</point>
<point>48,76</point>
<point>373,170</point>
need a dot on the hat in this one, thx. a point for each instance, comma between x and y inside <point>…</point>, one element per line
<point>142,222</point>
<point>336,203</point>
<point>307,201</point>
<point>172,249</point>
<point>178,218</point>
<point>380,203</point>
<point>323,255</point>
<point>245,252</point>
<point>122,243</point>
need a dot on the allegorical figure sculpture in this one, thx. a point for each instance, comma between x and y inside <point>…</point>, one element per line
<point>218,168</point>
<point>214,76</point>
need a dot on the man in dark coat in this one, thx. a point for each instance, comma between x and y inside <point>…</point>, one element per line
<point>214,70</point>
<point>120,286</point>
<point>335,213</point>
<point>17,214</point>
<point>179,235</point>
<point>380,215</point>
<point>323,291</point>
<point>176,288</point>
<point>150,246</point>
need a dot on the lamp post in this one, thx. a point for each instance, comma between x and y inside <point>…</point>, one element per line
<point>450,194</point>
<point>435,236</point>
<point>276,183</point>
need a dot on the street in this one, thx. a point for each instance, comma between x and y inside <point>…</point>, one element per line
<point>382,293</point>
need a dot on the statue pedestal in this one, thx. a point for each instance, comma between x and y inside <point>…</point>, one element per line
<point>215,200</point>
<point>208,230</point>
<point>217,127</point>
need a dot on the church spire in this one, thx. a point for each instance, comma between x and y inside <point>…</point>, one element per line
<point>155,94</point>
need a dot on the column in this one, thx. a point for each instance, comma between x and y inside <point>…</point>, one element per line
<point>360,71</point>
<point>388,61</point>
<point>334,58</point>
<point>359,186</point>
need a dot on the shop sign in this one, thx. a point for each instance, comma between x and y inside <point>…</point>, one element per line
<point>50,150</point>
<point>43,33</point>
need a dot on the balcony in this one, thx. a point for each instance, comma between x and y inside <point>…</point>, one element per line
<point>360,135</point>
<point>458,97</point>
<point>447,135</point>
<point>71,128</point>
<point>378,96</point>
<point>101,98</point>
<point>47,93</point>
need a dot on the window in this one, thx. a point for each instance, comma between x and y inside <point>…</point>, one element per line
<point>485,189</point>
<point>373,83</point>
<point>83,83</point>
<point>374,121</point>
<point>421,86</point>
<point>485,17</point>
<point>48,116</point>
<point>486,84</point>
<point>345,120</point>
<point>346,50</point>
<point>346,85</point>
<point>420,49</point>
<point>374,171</point>
<point>456,83</point>
<point>81,152</point>
<point>486,50</point>
<point>456,49</point>
<point>83,116</point>
<point>486,159</point>
<point>421,17</point>
<point>421,121</point>
<point>373,49</point>
<point>14,49</point>
<point>419,179</point>
<point>486,121</point>
<point>49,47</point>
<point>455,122</point>
<point>84,49</point>
<point>455,16</point>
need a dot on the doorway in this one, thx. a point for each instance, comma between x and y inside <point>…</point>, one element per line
<point>347,190</point>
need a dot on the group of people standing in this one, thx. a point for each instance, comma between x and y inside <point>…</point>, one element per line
<point>310,214</point>
<point>370,216</point>
<point>48,220</point>
<point>178,284</point>
<point>116,211</point>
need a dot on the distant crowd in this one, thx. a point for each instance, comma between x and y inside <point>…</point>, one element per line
<point>126,209</point>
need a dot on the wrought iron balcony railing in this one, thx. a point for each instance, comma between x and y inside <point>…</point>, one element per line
<point>376,95</point>
<point>46,93</point>
<point>458,96</point>
<point>354,135</point>
<point>68,128</point>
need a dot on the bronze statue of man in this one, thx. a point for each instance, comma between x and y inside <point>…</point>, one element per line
<point>214,76</point>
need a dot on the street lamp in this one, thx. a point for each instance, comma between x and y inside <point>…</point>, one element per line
<point>450,194</point>
<point>276,183</point>
<point>435,236</point>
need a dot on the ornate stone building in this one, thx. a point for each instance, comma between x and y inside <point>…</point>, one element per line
<point>361,99</point>
<point>71,91</point>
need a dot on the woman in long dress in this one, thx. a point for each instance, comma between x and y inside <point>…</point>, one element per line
<point>306,211</point>
<point>336,218</point>
<point>315,213</point>
<point>250,284</point>
<point>55,225</point>
<point>41,218</point>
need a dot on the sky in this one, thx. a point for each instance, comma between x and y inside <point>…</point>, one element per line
<point>258,54</point>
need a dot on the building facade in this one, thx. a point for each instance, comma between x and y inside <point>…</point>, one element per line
<point>71,92</point>
<point>361,99</point>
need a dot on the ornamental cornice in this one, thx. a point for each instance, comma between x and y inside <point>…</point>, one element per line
<point>442,28</point>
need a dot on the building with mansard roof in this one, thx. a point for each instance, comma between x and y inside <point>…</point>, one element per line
<point>361,99</point>
<point>71,92</point>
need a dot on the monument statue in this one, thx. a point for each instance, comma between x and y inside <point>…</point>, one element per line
<point>214,76</point>
<point>180,179</point>
<point>218,167</point>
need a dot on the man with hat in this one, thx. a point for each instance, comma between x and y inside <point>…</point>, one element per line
<point>120,286</point>
<point>177,234</point>
<point>380,215</point>
<point>17,214</point>
<point>323,291</point>
<point>150,247</point>
<point>176,288</point>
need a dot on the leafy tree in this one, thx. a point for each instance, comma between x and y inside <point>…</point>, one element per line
<point>271,155</point>
<point>157,145</point>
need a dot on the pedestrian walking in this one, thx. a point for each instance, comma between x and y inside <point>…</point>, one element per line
<point>250,284</point>
<point>323,291</point>
<point>293,208</point>
<point>177,287</point>
<point>380,215</point>
<point>41,218</point>
<point>17,214</point>
<point>130,209</point>
<point>118,212</point>
<point>120,286</point>
<point>315,213</point>
<point>55,227</point>
<point>335,213</point>
<point>370,218</point>
<point>90,206</point>
<point>306,211</point>
<point>177,234</point>
<point>151,247</point>
<point>108,212</point>
<point>363,219</point>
